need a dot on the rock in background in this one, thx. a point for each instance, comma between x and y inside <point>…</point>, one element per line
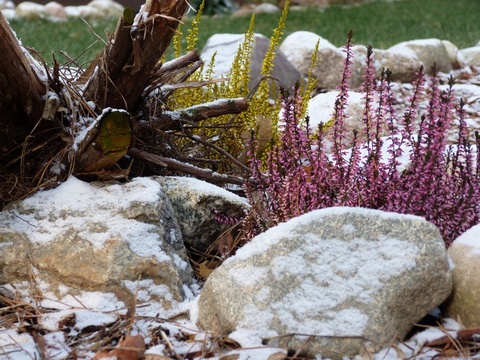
<point>226,46</point>
<point>298,49</point>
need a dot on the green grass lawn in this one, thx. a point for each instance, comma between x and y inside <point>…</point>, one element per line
<point>379,23</point>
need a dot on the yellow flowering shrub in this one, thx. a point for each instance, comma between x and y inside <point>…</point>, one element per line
<point>231,132</point>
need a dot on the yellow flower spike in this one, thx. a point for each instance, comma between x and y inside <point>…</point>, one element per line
<point>192,33</point>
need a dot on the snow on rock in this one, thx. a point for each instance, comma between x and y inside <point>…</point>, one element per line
<point>463,304</point>
<point>203,210</point>
<point>95,237</point>
<point>342,274</point>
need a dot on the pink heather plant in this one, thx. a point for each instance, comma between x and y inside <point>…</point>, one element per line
<point>303,172</point>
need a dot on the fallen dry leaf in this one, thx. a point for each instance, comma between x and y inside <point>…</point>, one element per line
<point>230,357</point>
<point>281,355</point>
<point>204,271</point>
<point>131,348</point>
<point>104,354</point>
<point>207,267</point>
<point>157,357</point>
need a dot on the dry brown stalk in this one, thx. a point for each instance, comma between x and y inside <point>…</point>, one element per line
<point>39,134</point>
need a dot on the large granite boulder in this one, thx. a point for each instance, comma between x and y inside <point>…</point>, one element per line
<point>106,237</point>
<point>464,304</point>
<point>202,210</point>
<point>330,281</point>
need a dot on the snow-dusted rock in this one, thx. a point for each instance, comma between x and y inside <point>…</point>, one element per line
<point>203,210</point>
<point>464,304</point>
<point>298,48</point>
<point>469,56</point>
<point>343,274</point>
<point>428,51</point>
<point>226,47</point>
<point>100,236</point>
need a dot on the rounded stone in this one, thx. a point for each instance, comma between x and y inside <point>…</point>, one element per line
<point>463,304</point>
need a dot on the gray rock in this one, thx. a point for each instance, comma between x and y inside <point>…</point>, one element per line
<point>299,47</point>
<point>226,47</point>
<point>202,210</point>
<point>95,237</point>
<point>345,276</point>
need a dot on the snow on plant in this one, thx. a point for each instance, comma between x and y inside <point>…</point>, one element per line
<point>411,170</point>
